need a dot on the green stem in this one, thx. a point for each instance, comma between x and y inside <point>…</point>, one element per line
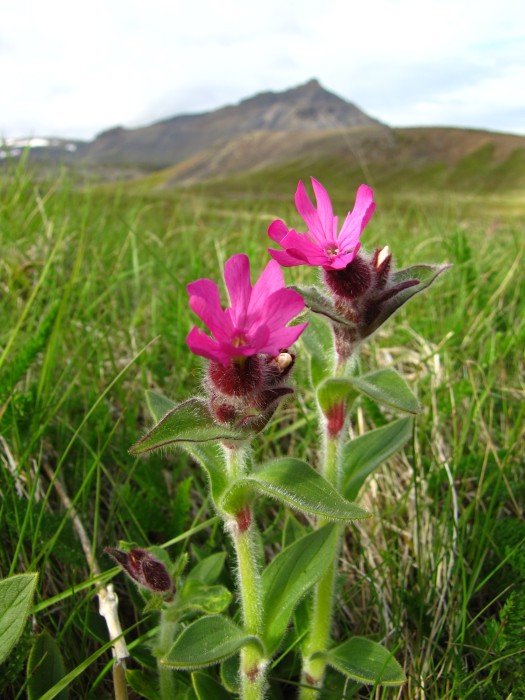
<point>165,639</point>
<point>323,598</point>
<point>253,661</point>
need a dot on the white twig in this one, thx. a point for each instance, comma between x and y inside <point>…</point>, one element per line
<point>108,600</point>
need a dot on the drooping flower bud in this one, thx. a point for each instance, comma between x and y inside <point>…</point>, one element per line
<point>144,569</point>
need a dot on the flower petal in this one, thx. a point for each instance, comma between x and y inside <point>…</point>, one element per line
<point>281,307</point>
<point>277,230</point>
<point>357,219</point>
<point>286,258</point>
<point>205,302</point>
<point>270,281</point>
<point>307,210</point>
<point>304,247</point>
<point>324,209</point>
<point>237,278</point>
<point>283,339</point>
<point>305,207</point>
<point>201,344</point>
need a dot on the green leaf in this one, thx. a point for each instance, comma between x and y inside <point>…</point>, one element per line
<point>158,405</point>
<point>190,421</point>
<point>196,595</point>
<point>319,342</point>
<point>207,454</point>
<point>211,458</point>
<point>320,303</point>
<point>207,688</point>
<point>16,596</point>
<point>365,453</point>
<point>143,684</point>
<point>209,569</point>
<point>290,575</point>
<point>296,484</point>
<point>426,274</point>
<point>335,390</point>
<point>388,387</point>
<point>45,667</point>
<point>292,530</point>
<point>207,641</point>
<point>231,673</point>
<point>364,661</point>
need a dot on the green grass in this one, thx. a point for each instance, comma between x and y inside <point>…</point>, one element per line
<point>94,311</point>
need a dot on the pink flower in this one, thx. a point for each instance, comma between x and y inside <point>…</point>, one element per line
<point>256,320</point>
<point>322,245</point>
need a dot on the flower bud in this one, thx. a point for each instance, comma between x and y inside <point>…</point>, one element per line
<point>144,569</point>
<point>239,378</point>
<point>351,282</point>
<point>382,263</point>
<point>246,392</point>
<point>279,367</point>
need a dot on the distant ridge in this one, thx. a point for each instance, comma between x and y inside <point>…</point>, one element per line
<point>305,129</point>
<point>308,107</point>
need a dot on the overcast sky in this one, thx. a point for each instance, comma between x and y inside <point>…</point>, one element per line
<point>74,69</point>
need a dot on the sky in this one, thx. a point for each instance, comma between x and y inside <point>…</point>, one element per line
<point>76,69</point>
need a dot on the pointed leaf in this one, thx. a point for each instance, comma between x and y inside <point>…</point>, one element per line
<point>208,454</point>
<point>335,390</point>
<point>296,484</point>
<point>231,674</point>
<point>207,641</point>
<point>143,684</point>
<point>320,303</point>
<point>319,341</point>
<point>426,274</point>
<point>16,596</point>
<point>158,405</point>
<point>365,453</point>
<point>207,688</point>
<point>45,667</point>
<point>196,595</point>
<point>208,569</point>
<point>189,421</point>
<point>388,387</point>
<point>290,575</point>
<point>211,458</point>
<point>292,531</point>
<point>364,661</point>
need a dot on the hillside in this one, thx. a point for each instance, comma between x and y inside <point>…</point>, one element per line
<point>304,109</point>
<point>442,158</point>
<point>300,131</point>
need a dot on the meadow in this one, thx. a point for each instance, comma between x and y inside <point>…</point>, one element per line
<point>94,312</point>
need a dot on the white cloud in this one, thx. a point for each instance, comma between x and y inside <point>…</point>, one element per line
<point>75,70</point>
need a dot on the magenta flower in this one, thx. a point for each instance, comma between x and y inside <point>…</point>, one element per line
<point>322,245</point>
<point>256,320</point>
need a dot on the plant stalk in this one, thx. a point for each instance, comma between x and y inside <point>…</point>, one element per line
<point>323,597</point>
<point>253,662</point>
<point>165,639</point>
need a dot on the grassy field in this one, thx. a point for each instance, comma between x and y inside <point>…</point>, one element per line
<point>94,312</point>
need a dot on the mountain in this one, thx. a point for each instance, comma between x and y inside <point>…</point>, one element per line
<point>436,158</point>
<point>306,108</point>
<point>303,129</point>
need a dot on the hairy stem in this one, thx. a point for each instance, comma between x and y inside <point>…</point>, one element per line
<point>253,661</point>
<point>166,676</point>
<point>323,597</point>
